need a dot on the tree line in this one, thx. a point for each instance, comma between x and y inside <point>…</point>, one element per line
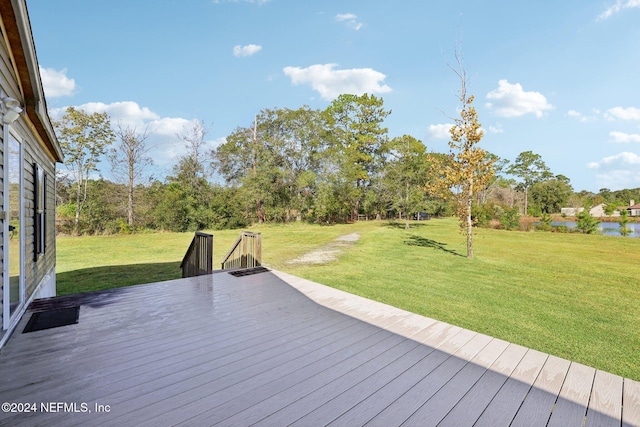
<point>325,166</point>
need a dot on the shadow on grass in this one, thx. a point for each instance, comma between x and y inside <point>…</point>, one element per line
<point>400,224</point>
<point>428,243</point>
<point>115,276</point>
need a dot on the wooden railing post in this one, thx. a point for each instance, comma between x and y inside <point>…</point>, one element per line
<point>199,257</point>
<point>246,252</point>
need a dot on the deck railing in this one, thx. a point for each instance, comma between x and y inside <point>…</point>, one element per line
<point>199,257</point>
<point>246,252</point>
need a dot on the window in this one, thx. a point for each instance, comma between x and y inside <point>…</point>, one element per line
<point>39,220</point>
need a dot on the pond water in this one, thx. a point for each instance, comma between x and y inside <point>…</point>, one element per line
<point>606,228</point>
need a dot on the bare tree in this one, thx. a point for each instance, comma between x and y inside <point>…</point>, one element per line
<point>191,167</point>
<point>129,160</point>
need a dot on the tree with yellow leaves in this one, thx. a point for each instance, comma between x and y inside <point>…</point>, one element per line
<point>470,168</point>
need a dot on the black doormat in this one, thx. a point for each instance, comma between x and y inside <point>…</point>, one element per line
<point>248,271</point>
<point>52,319</point>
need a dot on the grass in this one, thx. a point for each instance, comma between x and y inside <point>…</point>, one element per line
<point>93,263</point>
<point>574,296</point>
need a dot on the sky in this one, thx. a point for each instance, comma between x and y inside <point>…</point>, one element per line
<point>559,78</point>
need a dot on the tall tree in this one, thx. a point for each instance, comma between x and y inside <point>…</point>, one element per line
<point>241,161</point>
<point>530,168</point>
<point>470,169</point>
<point>550,195</point>
<point>276,162</point>
<point>405,175</point>
<point>358,140</point>
<point>129,158</point>
<point>188,186</point>
<point>84,138</point>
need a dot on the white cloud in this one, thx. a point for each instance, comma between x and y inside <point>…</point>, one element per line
<point>617,172</point>
<point>168,126</point>
<point>577,115</point>
<point>510,100</point>
<point>248,50</point>
<point>440,131</point>
<point>126,112</point>
<point>618,179</point>
<point>163,140</point>
<point>617,7</point>
<point>350,20</point>
<point>129,113</point>
<point>622,113</point>
<point>624,159</point>
<point>331,83</point>
<point>624,138</point>
<point>56,83</point>
<point>496,129</point>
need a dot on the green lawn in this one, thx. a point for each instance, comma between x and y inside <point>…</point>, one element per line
<point>574,296</point>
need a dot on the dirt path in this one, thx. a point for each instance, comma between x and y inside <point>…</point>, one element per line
<point>329,252</point>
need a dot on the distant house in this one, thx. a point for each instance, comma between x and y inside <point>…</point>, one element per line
<point>570,211</point>
<point>634,209</point>
<point>29,151</point>
<point>596,211</point>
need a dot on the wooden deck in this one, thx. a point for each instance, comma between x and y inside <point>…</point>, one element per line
<point>273,349</point>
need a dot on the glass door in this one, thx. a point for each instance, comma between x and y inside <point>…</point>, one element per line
<point>15,227</point>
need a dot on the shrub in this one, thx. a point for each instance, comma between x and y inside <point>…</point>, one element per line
<point>545,222</point>
<point>586,223</point>
<point>624,221</point>
<point>510,220</point>
<point>483,214</point>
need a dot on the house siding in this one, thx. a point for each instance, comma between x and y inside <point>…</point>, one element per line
<point>27,129</point>
<point>36,270</point>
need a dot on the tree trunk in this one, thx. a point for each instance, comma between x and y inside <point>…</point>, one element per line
<point>130,198</point>
<point>469,223</point>
<point>76,221</point>
<point>406,208</point>
<point>259,212</point>
<point>82,191</point>
<point>130,207</point>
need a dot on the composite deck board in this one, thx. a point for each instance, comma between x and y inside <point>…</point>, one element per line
<point>185,365</point>
<point>225,383</point>
<point>471,406</point>
<point>571,406</point>
<point>275,349</point>
<point>539,404</point>
<point>341,403</point>
<point>507,401</point>
<point>164,343</point>
<point>406,405</point>
<point>308,360</point>
<point>390,392</point>
<point>116,333</point>
<point>605,403</point>
<point>316,393</point>
<point>438,406</point>
<point>179,351</point>
<point>327,403</point>
<point>292,388</point>
<point>631,403</point>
